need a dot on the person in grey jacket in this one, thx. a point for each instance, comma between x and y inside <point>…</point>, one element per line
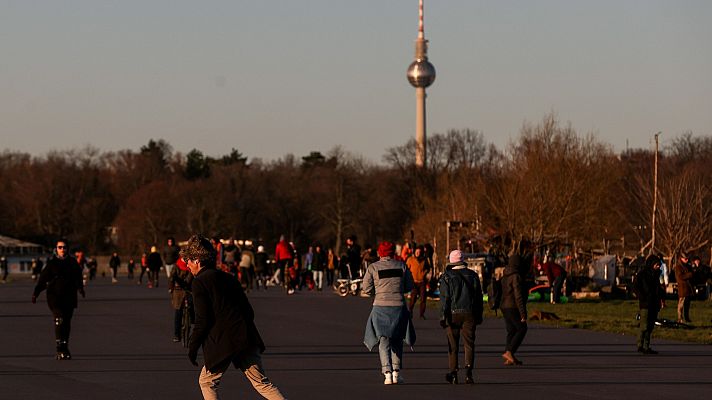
<point>389,323</point>
<point>461,312</point>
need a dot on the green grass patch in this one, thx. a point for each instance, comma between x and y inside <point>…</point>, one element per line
<point>618,316</point>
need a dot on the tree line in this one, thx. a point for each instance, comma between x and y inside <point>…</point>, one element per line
<point>550,185</point>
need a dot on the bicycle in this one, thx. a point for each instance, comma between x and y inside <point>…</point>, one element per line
<point>187,321</point>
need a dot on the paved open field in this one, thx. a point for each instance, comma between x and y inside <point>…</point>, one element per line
<point>121,343</point>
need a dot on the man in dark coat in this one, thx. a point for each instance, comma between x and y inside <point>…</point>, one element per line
<point>224,324</point>
<point>155,262</point>
<point>461,303</point>
<point>651,298</point>
<point>514,302</point>
<point>62,278</point>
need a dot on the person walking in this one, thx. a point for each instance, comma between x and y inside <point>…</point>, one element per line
<point>461,312</point>
<point>331,262</point>
<point>389,324</point>
<point>155,262</point>
<point>224,324</point>
<point>144,268</point>
<point>514,304</point>
<point>247,265</point>
<point>170,255</point>
<point>261,267</point>
<point>283,254</point>
<point>683,276</point>
<point>62,279</point>
<point>318,266</point>
<point>417,265</point>
<point>131,266</point>
<point>114,264</point>
<point>651,299</point>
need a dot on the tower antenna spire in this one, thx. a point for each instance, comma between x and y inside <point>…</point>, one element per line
<point>421,74</point>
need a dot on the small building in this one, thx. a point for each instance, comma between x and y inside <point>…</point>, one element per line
<point>19,254</point>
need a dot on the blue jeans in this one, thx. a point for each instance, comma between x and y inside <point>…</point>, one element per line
<point>391,353</point>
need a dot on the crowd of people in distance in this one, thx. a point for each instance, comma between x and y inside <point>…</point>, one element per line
<point>209,278</point>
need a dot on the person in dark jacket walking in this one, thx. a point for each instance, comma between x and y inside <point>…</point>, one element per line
<point>114,264</point>
<point>514,304</point>
<point>62,278</point>
<point>224,324</point>
<point>155,262</point>
<point>461,305</point>
<point>651,298</point>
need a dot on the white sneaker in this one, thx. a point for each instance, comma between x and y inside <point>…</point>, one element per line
<point>389,379</point>
<point>396,377</point>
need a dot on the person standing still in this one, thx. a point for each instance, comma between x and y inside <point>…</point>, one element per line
<point>224,324</point>
<point>62,278</point>
<point>514,304</point>
<point>417,265</point>
<point>651,299</point>
<point>461,312</point>
<point>683,276</point>
<point>4,268</point>
<point>389,324</point>
<point>318,265</point>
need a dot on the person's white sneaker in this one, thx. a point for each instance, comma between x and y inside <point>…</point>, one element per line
<point>389,379</point>
<point>396,377</point>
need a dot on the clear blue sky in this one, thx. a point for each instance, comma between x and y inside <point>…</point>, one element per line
<point>275,77</point>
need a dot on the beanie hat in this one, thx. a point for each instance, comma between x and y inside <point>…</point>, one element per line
<point>455,256</point>
<point>386,249</point>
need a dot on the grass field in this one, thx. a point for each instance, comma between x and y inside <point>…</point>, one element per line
<point>618,316</point>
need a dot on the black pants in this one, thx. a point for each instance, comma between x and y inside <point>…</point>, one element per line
<point>516,329</point>
<point>62,323</point>
<point>647,323</point>
<point>461,324</point>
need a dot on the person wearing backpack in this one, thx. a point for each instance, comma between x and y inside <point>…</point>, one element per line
<point>461,306</point>
<point>514,305</point>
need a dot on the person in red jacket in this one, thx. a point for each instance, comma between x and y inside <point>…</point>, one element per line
<point>556,275</point>
<point>283,255</point>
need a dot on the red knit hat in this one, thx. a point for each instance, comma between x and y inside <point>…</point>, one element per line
<point>386,249</point>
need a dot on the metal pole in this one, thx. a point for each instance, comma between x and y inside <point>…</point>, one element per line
<point>655,193</point>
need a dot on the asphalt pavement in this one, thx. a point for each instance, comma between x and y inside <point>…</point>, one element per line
<point>122,349</point>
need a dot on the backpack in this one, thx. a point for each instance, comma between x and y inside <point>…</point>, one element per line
<point>494,294</point>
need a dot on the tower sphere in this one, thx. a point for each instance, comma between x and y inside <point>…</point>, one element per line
<point>421,73</point>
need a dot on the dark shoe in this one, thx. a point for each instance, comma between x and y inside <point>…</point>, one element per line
<point>641,350</point>
<point>649,351</point>
<point>451,378</point>
<point>469,379</point>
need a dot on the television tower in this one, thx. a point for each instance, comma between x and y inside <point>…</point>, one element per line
<point>421,74</point>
